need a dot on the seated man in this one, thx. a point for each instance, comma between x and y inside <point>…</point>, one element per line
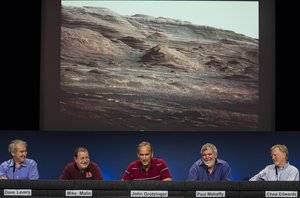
<point>147,167</point>
<point>82,167</point>
<point>209,167</point>
<point>19,166</point>
<point>281,169</point>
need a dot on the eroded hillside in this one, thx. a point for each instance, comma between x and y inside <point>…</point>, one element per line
<point>132,73</point>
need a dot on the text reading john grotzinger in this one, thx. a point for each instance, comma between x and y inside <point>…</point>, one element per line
<point>147,193</point>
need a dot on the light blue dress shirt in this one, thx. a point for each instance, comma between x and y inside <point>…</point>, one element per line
<point>271,173</point>
<point>27,170</point>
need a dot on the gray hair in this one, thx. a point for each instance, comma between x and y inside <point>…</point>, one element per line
<point>144,143</point>
<point>12,147</point>
<point>209,146</point>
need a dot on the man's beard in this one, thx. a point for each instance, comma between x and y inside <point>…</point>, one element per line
<point>209,164</point>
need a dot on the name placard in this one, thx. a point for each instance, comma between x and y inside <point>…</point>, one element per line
<point>79,193</point>
<point>148,193</point>
<point>281,193</point>
<point>17,192</point>
<point>213,193</point>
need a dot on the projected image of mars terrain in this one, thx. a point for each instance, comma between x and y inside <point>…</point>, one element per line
<point>144,73</point>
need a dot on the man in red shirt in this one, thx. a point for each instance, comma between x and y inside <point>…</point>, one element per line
<point>147,167</point>
<point>82,168</point>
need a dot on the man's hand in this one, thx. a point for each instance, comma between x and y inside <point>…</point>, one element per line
<point>4,177</point>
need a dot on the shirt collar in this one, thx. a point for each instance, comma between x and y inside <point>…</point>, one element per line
<point>141,166</point>
<point>87,168</point>
<point>284,166</point>
<point>12,163</point>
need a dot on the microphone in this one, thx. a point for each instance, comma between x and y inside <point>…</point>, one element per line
<point>276,171</point>
<point>14,170</point>
<point>14,167</point>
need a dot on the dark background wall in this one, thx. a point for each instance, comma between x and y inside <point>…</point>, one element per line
<point>247,152</point>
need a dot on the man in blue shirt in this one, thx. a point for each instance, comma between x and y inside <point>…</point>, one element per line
<point>281,169</point>
<point>209,167</point>
<point>19,166</point>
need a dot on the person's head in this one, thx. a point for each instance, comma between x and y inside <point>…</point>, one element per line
<point>18,150</point>
<point>81,157</point>
<point>209,154</point>
<point>279,154</point>
<point>145,153</point>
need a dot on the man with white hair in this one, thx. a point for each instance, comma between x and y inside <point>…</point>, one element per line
<point>19,166</point>
<point>209,167</point>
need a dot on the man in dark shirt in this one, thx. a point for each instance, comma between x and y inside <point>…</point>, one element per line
<point>82,168</point>
<point>147,167</point>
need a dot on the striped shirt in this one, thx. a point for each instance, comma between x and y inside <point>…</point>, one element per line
<point>158,171</point>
